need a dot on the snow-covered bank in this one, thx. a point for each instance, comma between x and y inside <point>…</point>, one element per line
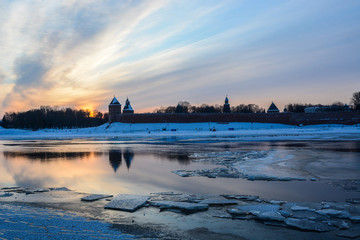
<point>236,130</point>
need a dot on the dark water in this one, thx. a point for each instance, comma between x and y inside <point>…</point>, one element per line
<point>137,167</point>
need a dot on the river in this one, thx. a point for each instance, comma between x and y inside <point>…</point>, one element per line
<point>141,167</point>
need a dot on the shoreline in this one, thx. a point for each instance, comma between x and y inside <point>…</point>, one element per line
<point>215,131</point>
<point>214,223</point>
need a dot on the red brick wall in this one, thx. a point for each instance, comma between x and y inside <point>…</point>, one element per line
<point>284,118</point>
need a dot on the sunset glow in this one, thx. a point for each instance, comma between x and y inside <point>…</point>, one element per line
<point>88,108</point>
<point>82,53</point>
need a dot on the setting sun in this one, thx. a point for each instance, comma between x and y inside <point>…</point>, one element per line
<point>88,108</point>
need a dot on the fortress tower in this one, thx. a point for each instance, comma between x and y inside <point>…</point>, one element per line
<point>114,110</point>
<point>226,108</point>
<point>127,107</point>
<point>273,108</point>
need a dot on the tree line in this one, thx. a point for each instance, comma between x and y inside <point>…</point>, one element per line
<point>355,100</point>
<point>336,106</point>
<point>186,107</point>
<point>300,107</point>
<point>53,117</point>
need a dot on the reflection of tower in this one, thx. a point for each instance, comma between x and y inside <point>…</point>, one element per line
<point>115,159</point>
<point>128,156</point>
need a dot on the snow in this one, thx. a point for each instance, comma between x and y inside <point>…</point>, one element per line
<point>230,131</point>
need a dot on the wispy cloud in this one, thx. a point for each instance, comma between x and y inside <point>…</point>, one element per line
<point>2,76</point>
<point>81,53</point>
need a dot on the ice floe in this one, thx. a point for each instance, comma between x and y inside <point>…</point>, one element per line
<point>182,207</point>
<point>128,203</point>
<point>242,197</point>
<point>218,202</point>
<point>5,194</point>
<point>254,209</point>
<point>308,225</point>
<point>271,216</point>
<point>349,234</point>
<point>341,217</point>
<point>94,197</point>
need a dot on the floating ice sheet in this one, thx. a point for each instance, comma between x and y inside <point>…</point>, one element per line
<point>128,203</point>
<point>95,197</point>
<point>182,206</point>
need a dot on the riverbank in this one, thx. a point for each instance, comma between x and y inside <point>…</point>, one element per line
<point>45,212</point>
<point>217,131</point>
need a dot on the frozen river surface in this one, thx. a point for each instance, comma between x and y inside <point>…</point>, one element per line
<point>313,170</point>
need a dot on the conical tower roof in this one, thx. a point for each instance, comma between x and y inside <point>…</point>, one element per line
<point>127,105</point>
<point>273,108</point>
<point>114,102</point>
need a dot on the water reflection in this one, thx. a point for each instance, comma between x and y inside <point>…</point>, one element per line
<point>128,156</point>
<point>115,158</point>
<point>182,157</point>
<point>90,166</point>
<point>46,156</point>
<point>332,146</point>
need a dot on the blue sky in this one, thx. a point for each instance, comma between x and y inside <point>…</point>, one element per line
<point>82,53</point>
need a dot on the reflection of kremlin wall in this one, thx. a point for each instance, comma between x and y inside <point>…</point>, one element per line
<point>273,115</point>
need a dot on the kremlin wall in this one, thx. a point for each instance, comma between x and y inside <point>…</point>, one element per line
<point>273,115</point>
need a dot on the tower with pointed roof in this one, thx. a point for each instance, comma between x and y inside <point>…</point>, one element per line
<point>273,108</point>
<point>114,110</point>
<point>127,107</point>
<point>226,108</point>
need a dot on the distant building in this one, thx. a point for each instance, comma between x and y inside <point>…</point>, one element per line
<point>273,108</point>
<point>114,110</point>
<point>226,108</point>
<point>333,114</point>
<point>333,108</point>
<point>127,107</point>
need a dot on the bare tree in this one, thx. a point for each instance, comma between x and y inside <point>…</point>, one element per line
<point>355,100</point>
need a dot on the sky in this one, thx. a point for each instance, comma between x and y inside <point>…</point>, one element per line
<point>81,54</point>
